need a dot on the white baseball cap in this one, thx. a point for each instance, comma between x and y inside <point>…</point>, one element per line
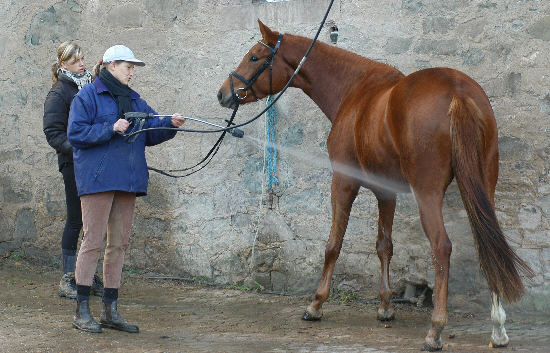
<point>121,53</point>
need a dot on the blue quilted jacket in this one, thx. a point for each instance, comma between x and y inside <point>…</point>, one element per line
<point>103,160</point>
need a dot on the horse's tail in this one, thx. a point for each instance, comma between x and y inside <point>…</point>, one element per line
<point>499,263</point>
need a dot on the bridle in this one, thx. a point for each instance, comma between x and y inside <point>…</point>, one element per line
<point>248,83</point>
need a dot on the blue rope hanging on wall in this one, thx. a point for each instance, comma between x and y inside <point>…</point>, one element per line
<point>271,118</point>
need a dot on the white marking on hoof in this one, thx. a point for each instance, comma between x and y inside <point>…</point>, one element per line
<point>499,338</point>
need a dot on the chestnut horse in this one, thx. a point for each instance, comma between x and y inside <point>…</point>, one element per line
<point>417,131</point>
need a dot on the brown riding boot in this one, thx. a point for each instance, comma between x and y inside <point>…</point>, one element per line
<point>110,318</point>
<point>83,320</point>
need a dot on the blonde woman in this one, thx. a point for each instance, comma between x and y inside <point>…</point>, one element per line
<point>69,75</point>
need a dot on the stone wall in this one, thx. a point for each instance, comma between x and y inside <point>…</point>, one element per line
<point>218,224</point>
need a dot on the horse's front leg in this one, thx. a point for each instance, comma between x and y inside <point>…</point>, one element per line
<point>343,192</point>
<point>499,338</point>
<point>384,248</point>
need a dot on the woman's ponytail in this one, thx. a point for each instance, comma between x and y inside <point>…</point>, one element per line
<point>96,69</point>
<point>55,75</point>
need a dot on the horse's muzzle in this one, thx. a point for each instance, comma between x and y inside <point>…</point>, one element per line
<point>226,100</point>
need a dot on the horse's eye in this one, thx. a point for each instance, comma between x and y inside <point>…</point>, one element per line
<point>253,58</point>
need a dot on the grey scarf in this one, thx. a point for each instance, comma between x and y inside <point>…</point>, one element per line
<point>80,79</point>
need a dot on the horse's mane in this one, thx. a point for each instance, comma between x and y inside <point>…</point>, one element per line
<point>346,58</point>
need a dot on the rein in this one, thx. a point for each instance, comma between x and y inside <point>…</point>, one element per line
<point>238,99</point>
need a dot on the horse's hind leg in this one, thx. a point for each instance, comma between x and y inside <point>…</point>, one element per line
<point>384,248</point>
<point>430,207</point>
<point>343,192</point>
<point>499,338</point>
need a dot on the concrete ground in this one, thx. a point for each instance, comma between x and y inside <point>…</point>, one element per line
<point>176,316</point>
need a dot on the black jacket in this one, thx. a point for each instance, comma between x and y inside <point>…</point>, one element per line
<point>56,117</point>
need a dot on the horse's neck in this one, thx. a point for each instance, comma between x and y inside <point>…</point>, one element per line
<point>329,73</point>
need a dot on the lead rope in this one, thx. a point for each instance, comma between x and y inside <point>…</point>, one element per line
<point>271,118</point>
<point>269,161</point>
<point>206,159</point>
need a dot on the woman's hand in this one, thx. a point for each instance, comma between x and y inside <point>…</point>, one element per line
<point>121,125</point>
<point>177,120</point>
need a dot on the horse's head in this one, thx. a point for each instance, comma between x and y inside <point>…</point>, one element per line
<point>259,74</point>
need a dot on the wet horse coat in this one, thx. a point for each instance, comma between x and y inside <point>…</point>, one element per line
<point>418,132</point>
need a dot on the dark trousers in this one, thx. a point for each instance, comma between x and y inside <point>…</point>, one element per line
<point>73,223</point>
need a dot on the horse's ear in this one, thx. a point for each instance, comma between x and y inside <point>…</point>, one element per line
<point>267,33</point>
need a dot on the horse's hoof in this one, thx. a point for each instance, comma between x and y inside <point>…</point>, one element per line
<point>312,316</point>
<point>432,346</point>
<point>496,345</point>
<point>385,315</point>
<point>429,348</point>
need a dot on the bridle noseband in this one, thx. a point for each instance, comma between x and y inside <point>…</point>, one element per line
<point>268,62</point>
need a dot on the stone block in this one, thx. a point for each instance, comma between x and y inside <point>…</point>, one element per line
<point>170,10</point>
<point>14,192</point>
<point>54,205</point>
<point>6,227</point>
<point>9,124</point>
<point>150,228</point>
<point>294,136</point>
<point>308,201</point>
<point>545,260</point>
<point>228,266</point>
<point>540,29</point>
<point>264,259</point>
<point>397,45</point>
<point>537,299</point>
<point>241,220</point>
<point>513,83</point>
<point>25,228</point>
<point>439,25</point>
<point>125,16</point>
<point>412,6</point>
<point>513,148</point>
<point>56,24</point>
<point>11,155</point>
<point>3,41</point>
<point>544,106</point>
<point>535,238</point>
<point>263,279</point>
<point>529,217</point>
<point>278,282</point>
<point>473,57</point>
<point>437,47</point>
<point>274,229</point>
<point>532,256</point>
<point>252,174</point>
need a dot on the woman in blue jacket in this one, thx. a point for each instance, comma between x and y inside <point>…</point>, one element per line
<point>110,172</point>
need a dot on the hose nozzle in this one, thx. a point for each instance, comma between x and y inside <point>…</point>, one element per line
<point>237,132</point>
<point>131,116</point>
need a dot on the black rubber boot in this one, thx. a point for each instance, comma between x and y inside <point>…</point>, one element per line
<point>110,318</point>
<point>83,320</point>
<point>97,286</point>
